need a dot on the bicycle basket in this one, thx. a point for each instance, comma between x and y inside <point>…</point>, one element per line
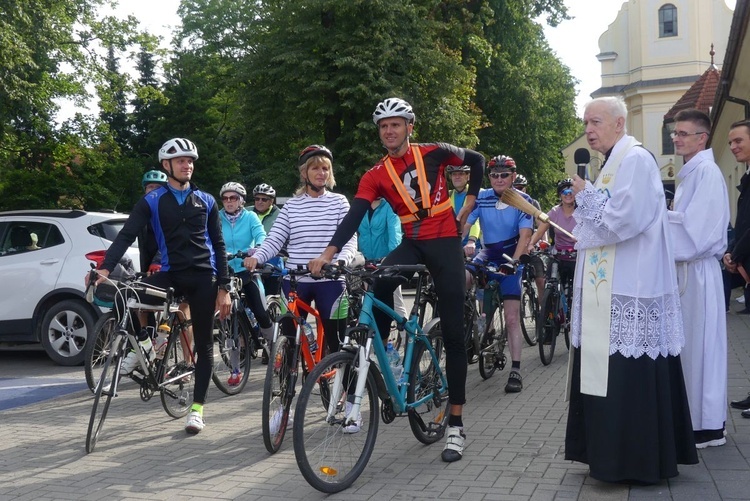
<point>104,293</point>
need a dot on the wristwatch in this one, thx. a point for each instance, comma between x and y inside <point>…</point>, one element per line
<point>226,287</point>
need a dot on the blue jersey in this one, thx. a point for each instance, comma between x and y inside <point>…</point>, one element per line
<point>500,223</point>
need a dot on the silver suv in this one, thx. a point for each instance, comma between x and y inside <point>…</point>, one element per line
<point>42,267</point>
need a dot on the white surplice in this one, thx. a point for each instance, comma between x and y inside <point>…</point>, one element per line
<point>698,226</point>
<point>645,312</point>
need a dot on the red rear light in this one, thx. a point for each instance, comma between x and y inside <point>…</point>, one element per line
<point>97,257</point>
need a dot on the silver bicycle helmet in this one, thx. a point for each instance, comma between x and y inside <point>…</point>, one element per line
<point>264,189</point>
<point>178,147</point>
<point>457,168</point>
<point>393,107</point>
<point>235,187</point>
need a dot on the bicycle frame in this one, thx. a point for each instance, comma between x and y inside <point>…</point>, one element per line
<point>294,308</point>
<point>396,391</point>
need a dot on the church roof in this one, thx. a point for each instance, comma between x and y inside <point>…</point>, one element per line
<point>700,95</point>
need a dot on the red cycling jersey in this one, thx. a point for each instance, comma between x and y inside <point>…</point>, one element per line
<point>436,156</point>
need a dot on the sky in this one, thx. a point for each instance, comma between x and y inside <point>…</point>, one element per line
<point>576,41</point>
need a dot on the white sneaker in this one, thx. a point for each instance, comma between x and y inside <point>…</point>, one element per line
<point>275,424</point>
<point>741,299</point>
<point>356,425</point>
<point>194,423</point>
<point>130,362</point>
<point>454,444</point>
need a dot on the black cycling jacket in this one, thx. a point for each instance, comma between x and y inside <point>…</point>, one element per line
<point>188,235</point>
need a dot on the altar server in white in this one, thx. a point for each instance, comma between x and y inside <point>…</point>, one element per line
<point>698,225</point>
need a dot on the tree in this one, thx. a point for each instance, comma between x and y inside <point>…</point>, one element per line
<point>47,52</point>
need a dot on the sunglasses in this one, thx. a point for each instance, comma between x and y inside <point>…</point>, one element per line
<point>262,199</point>
<point>231,198</point>
<point>566,191</point>
<point>501,175</point>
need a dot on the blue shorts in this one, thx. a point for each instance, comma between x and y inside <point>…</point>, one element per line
<point>510,285</point>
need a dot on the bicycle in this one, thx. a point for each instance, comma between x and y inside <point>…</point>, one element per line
<point>529,305</point>
<point>289,352</point>
<point>556,304</point>
<point>172,376</point>
<point>104,331</point>
<point>494,336</point>
<point>237,337</point>
<point>336,416</point>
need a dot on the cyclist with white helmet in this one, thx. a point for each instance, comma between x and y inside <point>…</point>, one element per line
<point>264,205</point>
<point>243,231</point>
<point>411,178</point>
<point>186,223</point>
<point>459,176</point>
<point>305,225</point>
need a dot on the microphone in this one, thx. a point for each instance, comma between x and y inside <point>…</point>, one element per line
<point>582,157</point>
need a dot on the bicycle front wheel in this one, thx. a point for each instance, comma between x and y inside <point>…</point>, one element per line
<point>548,326</point>
<point>332,452</point>
<point>278,392</point>
<point>492,344</point>
<point>429,419</point>
<point>105,389</point>
<point>529,314</point>
<point>98,351</point>
<point>177,375</point>
<point>231,354</point>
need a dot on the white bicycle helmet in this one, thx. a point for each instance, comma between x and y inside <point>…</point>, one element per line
<point>264,189</point>
<point>393,107</point>
<point>178,147</point>
<point>235,187</point>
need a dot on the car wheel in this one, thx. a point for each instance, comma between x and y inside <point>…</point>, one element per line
<point>66,327</point>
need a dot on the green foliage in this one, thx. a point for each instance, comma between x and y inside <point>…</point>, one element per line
<point>253,82</point>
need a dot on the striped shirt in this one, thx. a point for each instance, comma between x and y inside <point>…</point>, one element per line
<point>306,225</point>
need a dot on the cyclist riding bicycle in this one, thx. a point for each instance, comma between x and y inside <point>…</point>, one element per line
<point>562,215</point>
<point>505,230</point>
<point>243,231</point>
<point>264,206</point>
<point>186,223</point>
<point>411,177</point>
<point>536,263</point>
<point>306,223</point>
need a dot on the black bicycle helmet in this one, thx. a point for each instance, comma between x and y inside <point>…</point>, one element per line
<point>457,168</point>
<point>565,183</point>
<point>313,151</point>
<point>520,180</point>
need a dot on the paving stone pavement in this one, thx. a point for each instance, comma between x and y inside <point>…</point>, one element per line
<point>514,449</point>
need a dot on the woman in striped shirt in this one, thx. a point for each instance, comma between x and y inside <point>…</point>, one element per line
<point>305,225</point>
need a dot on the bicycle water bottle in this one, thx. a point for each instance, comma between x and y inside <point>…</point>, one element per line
<point>253,320</point>
<point>481,323</point>
<point>553,273</point>
<point>162,336</point>
<point>395,362</point>
<point>310,335</point>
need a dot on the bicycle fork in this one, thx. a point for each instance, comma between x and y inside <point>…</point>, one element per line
<point>338,391</point>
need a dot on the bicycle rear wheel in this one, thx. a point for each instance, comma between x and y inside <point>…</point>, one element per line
<point>428,420</point>
<point>330,452</point>
<point>177,375</point>
<point>548,327</point>
<point>106,388</point>
<point>529,314</point>
<point>278,392</point>
<point>492,354</point>
<point>98,351</point>
<point>231,353</point>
